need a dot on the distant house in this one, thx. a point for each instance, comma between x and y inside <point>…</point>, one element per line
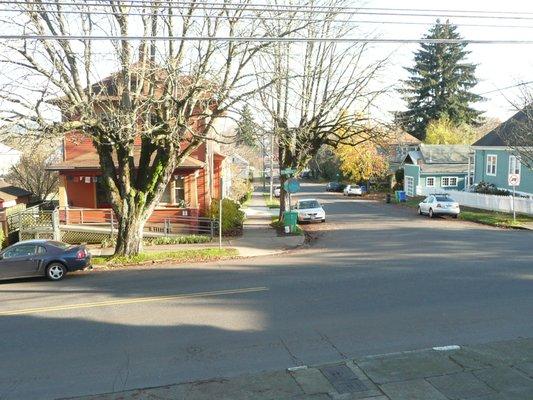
<point>435,167</point>
<point>12,195</point>
<point>495,160</point>
<point>8,157</point>
<point>398,147</point>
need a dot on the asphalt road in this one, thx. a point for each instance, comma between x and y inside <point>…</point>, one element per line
<point>376,279</point>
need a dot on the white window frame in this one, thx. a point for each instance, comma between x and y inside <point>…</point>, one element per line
<point>449,178</point>
<point>432,178</point>
<point>517,165</point>
<point>495,165</point>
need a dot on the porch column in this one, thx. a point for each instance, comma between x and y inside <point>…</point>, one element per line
<point>172,190</point>
<point>62,189</point>
<point>193,187</point>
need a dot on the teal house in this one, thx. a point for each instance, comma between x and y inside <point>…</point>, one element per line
<point>435,168</point>
<point>495,159</point>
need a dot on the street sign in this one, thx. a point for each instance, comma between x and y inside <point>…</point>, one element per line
<point>514,180</point>
<point>292,186</point>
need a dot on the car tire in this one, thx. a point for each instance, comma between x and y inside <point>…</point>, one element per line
<point>56,271</point>
<point>430,214</point>
<point>456,216</point>
<point>324,220</point>
<point>419,211</point>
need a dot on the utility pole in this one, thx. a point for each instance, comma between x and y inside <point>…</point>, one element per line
<point>263,148</point>
<point>271,164</point>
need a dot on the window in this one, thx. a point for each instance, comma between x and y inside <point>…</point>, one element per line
<point>20,251</point>
<point>179,191</point>
<point>514,165</point>
<point>430,181</point>
<point>492,161</point>
<point>449,181</point>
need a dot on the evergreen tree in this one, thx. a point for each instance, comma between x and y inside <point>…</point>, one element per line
<point>247,128</point>
<point>439,84</point>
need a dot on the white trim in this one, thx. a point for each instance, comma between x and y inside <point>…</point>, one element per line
<point>495,165</point>
<point>449,179</point>
<point>430,177</point>
<point>506,148</point>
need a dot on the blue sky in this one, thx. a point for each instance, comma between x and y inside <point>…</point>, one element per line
<point>499,66</point>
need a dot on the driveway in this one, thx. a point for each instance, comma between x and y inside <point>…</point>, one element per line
<point>378,279</point>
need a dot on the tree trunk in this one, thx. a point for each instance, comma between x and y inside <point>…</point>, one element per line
<point>282,196</point>
<point>130,232</point>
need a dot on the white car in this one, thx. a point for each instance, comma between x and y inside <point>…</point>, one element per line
<point>310,210</point>
<point>353,190</point>
<point>439,204</point>
<point>277,191</point>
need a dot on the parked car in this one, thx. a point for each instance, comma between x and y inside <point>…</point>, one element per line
<point>277,191</point>
<point>310,210</point>
<point>439,204</point>
<point>353,190</point>
<point>42,258</point>
<point>335,187</point>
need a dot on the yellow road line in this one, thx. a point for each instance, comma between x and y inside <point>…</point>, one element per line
<point>131,301</point>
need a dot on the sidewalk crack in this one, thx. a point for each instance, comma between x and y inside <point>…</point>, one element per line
<point>295,359</point>
<point>326,339</point>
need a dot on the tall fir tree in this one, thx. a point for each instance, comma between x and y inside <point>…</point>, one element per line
<point>439,84</point>
<point>247,130</point>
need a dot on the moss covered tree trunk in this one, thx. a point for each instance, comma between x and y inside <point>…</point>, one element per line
<point>130,231</point>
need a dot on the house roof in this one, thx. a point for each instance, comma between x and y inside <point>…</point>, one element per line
<point>440,158</point>
<point>10,192</point>
<point>91,161</point>
<point>402,137</point>
<point>502,134</point>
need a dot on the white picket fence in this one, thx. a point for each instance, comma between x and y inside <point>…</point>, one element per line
<point>491,202</point>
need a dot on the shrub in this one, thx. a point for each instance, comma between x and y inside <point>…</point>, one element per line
<point>2,237</point>
<point>232,216</point>
<point>490,188</point>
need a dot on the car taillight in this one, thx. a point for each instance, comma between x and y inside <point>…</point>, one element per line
<point>439,205</point>
<point>81,254</point>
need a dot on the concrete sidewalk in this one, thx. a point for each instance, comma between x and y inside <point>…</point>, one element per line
<point>258,237</point>
<point>493,371</point>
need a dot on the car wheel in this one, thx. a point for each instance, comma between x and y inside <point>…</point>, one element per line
<point>456,216</point>
<point>419,211</point>
<point>324,220</point>
<point>430,213</point>
<point>56,271</point>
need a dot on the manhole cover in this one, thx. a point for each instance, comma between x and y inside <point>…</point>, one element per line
<point>343,379</point>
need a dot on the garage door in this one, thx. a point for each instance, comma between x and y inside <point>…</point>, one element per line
<point>409,185</point>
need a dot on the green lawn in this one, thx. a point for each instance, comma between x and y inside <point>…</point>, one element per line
<point>500,219</point>
<point>180,256</point>
<point>274,203</point>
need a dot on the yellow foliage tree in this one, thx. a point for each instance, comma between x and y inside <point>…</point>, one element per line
<point>362,162</point>
<point>443,131</point>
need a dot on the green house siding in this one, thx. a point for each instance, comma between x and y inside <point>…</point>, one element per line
<point>502,170</point>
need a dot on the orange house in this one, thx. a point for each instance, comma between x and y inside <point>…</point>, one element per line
<point>190,191</point>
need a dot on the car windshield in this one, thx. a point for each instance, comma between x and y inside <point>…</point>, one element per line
<point>444,198</point>
<point>308,204</point>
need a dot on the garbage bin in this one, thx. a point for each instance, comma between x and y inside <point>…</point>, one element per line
<point>290,219</point>
<point>402,196</point>
<point>388,197</point>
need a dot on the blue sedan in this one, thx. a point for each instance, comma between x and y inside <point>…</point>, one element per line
<point>42,258</point>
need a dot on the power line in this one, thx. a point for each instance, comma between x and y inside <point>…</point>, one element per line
<point>266,18</point>
<point>264,39</point>
<point>507,87</point>
<point>264,8</point>
<point>185,4</point>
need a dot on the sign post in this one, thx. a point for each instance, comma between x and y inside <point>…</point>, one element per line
<point>514,181</point>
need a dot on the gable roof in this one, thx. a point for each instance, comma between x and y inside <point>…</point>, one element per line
<point>10,192</point>
<point>502,134</point>
<point>444,153</point>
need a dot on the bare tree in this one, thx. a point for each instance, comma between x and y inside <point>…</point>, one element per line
<point>322,92</point>
<point>517,132</point>
<point>32,173</point>
<point>147,116</point>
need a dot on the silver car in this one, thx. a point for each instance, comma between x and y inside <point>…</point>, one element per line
<point>353,190</point>
<point>439,204</point>
<point>310,210</point>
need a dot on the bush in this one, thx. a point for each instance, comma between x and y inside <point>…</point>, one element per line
<point>183,239</point>
<point>2,237</point>
<point>232,216</point>
<point>490,188</point>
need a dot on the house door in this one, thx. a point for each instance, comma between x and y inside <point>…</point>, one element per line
<point>410,185</point>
